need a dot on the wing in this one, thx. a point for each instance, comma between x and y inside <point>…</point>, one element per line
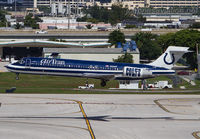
<point>99,76</point>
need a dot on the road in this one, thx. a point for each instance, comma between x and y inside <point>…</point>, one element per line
<point>73,34</point>
<point>114,116</point>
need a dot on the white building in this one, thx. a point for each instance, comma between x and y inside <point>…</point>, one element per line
<point>64,23</point>
<point>128,84</point>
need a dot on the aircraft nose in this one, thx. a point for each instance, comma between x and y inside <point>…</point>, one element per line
<point>7,66</point>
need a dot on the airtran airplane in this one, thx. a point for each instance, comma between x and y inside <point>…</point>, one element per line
<point>104,71</point>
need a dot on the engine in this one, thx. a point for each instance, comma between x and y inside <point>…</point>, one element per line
<point>136,72</point>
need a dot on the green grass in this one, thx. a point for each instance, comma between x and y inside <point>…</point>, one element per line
<point>55,84</point>
<point>159,78</point>
<point>43,83</point>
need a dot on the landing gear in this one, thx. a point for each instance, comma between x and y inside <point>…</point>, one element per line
<point>17,76</point>
<point>103,83</point>
<point>144,84</point>
<point>86,83</point>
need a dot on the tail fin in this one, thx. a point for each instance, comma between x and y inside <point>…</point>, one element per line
<point>170,57</point>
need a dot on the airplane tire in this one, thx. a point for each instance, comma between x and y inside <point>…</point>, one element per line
<point>103,83</point>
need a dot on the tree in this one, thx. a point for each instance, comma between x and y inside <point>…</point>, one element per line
<point>89,26</point>
<point>126,58</point>
<point>93,20</point>
<point>82,19</point>
<point>147,45</point>
<point>166,40</point>
<point>116,36</point>
<point>188,38</point>
<point>140,18</point>
<point>130,26</point>
<point>31,21</point>
<point>2,19</point>
<point>18,26</point>
<point>185,38</point>
<point>195,25</point>
<point>115,15</point>
<point>118,14</point>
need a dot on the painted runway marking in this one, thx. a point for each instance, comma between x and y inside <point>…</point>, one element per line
<point>196,134</point>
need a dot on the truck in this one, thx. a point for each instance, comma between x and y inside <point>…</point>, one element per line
<point>160,85</point>
<point>87,86</point>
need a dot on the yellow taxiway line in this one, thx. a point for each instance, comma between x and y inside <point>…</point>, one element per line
<point>86,119</point>
<point>196,134</point>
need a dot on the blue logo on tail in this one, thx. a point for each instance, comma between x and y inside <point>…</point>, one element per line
<point>169,63</point>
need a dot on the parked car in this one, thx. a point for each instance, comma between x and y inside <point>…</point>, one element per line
<point>183,73</point>
<point>102,29</point>
<point>41,32</point>
<point>87,86</point>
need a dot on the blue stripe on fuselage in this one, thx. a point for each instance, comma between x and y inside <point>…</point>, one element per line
<point>36,62</point>
<point>62,71</point>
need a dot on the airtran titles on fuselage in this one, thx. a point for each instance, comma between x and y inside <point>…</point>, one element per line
<point>52,62</point>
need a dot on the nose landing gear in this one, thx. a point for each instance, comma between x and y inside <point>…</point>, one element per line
<point>17,76</point>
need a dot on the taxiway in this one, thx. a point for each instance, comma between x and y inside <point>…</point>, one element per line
<point>114,116</point>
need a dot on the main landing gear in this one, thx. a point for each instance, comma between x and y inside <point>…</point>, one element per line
<point>103,83</point>
<point>17,76</point>
<point>144,85</point>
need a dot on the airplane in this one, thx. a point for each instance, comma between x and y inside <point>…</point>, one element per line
<point>104,71</point>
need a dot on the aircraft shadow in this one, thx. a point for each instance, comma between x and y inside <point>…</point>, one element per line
<point>105,118</point>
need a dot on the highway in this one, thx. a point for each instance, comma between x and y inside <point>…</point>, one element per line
<point>72,34</point>
<point>88,116</point>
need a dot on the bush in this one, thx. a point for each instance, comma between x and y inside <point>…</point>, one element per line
<point>130,26</point>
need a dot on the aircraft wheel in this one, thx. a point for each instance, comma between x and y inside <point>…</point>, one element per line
<point>103,83</point>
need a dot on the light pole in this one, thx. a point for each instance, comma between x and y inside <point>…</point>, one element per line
<point>69,12</point>
<point>16,12</point>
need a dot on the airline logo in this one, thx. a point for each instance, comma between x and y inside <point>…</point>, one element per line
<point>52,61</point>
<point>167,62</point>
